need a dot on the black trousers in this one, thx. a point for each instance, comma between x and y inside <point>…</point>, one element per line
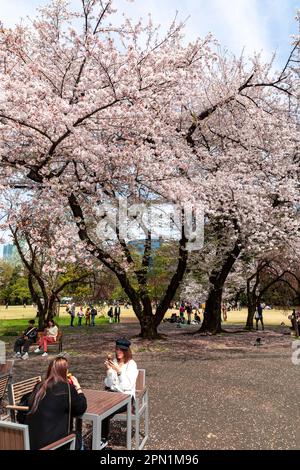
<point>22,342</point>
<point>262,323</point>
<point>106,422</point>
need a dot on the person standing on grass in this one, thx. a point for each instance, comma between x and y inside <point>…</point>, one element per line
<point>259,316</point>
<point>49,336</point>
<point>181,311</point>
<point>80,315</point>
<point>224,311</point>
<point>189,310</point>
<point>93,314</point>
<point>110,314</point>
<point>72,313</point>
<point>117,313</point>
<point>29,337</point>
<point>88,316</point>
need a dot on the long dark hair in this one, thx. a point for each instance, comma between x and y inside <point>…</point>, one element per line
<point>57,372</point>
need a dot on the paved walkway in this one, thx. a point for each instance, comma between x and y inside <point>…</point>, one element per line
<point>205,392</point>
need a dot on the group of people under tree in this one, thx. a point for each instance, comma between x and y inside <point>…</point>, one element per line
<point>89,314</point>
<point>187,307</point>
<point>114,313</point>
<point>59,398</point>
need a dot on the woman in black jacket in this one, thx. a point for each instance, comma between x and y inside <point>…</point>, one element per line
<point>53,404</point>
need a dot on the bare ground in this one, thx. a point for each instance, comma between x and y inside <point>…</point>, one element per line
<point>206,392</point>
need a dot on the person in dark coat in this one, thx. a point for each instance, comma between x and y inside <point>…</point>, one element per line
<point>29,337</point>
<point>117,313</point>
<point>53,404</point>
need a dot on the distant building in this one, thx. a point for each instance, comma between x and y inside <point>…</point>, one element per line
<point>10,254</point>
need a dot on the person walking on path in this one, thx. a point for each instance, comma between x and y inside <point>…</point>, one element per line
<point>117,313</point>
<point>259,316</point>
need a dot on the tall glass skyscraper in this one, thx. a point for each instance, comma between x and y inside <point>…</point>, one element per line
<point>8,252</point>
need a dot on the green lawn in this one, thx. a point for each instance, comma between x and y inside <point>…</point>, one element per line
<point>15,327</point>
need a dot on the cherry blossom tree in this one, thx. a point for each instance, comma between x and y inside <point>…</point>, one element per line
<point>94,114</point>
<point>49,251</point>
<point>246,144</point>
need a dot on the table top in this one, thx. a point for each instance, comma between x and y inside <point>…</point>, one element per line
<point>100,401</point>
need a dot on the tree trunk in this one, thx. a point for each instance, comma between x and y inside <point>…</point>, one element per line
<point>148,327</point>
<point>250,317</point>
<point>41,312</point>
<point>51,307</point>
<point>212,313</point>
<point>148,322</point>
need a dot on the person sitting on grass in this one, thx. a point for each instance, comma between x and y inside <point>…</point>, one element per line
<point>29,337</point>
<point>121,375</point>
<point>49,336</point>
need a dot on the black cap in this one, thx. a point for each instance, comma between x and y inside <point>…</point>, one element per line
<point>123,343</point>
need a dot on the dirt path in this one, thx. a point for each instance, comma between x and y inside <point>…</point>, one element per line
<point>205,392</point>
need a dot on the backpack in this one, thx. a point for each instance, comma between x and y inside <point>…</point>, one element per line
<point>110,312</point>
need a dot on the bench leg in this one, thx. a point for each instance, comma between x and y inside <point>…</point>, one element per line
<point>146,418</point>
<point>147,415</point>
<point>137,426</point>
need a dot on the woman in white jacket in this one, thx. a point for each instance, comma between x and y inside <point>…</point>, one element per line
<point>121,375</point>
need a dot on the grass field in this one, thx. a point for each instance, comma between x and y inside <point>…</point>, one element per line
<point>271,317</point>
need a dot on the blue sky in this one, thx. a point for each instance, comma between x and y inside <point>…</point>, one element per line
<point>254,24</point>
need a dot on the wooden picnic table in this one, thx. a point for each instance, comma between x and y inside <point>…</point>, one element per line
<point>101,404</point>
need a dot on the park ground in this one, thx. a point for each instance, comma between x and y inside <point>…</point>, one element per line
<point>219,392</point>
<point>271,317</point>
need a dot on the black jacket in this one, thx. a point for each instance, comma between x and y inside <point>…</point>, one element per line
<point>31,332</point>
<point>50,421</point>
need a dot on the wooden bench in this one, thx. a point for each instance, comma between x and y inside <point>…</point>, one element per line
<point>58,343</point>
<point>4,381</point>
<point>17,390</point>
<point>14,436</point>
<point>140,410</point>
